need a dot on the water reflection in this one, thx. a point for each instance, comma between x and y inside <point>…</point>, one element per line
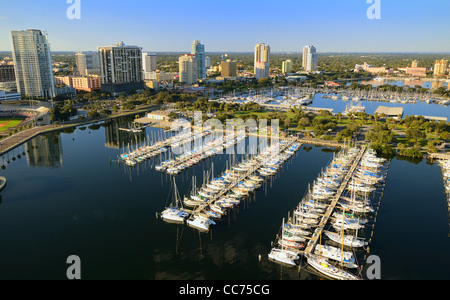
<point>45,151</point>
<point>117,137</point>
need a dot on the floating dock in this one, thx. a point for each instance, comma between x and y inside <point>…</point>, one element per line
<point>325,219</point>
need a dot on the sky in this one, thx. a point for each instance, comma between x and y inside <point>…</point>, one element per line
<point>234,25</point>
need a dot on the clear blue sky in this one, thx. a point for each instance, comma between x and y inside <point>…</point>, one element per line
<point>235,25</point>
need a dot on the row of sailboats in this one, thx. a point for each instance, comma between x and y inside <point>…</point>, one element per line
<point>218,195</point>
<point>141,153</point>
<point>331,259</point>
<point>348,221</point>
<point>445,167</point>
<point>193,157</point>
<point>307,215</point>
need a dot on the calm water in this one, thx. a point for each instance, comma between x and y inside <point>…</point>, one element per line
<point>410,83</point>
<point>419,108</point>
<point>69,196</point>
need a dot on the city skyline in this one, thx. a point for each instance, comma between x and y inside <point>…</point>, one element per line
<point>331,26</point>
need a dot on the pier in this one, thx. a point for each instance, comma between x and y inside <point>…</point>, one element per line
<point>319,230</point>
<point>441,156</point>
<point>323,143</point>
<point>241,178</point>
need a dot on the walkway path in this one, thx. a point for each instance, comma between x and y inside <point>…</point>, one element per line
<point>19,138</point>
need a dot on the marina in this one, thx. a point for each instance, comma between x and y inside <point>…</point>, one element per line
<point>340,101</point>
<point>116,223</point>
<point>189,157</point>
<point>237,155</point>
<point>146,151</point>
<point>445,166</point>
<point>325,206</point>
<point>216,196</point>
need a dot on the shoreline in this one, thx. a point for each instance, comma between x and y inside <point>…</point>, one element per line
<point>14,141</point>
<point>22,137</point>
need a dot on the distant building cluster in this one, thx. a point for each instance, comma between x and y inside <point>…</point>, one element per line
<point>373,70</point>
<point>120,68</point>
<point>441,68</point>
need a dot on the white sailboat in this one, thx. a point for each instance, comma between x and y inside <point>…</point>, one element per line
<point>322,265</point>
<point>346,257</point>
<point>200,222</point>
<point>283,255</point>
<point>175,212</point>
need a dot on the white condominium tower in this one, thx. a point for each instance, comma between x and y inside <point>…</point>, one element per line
<point>199,51</point>
<point>262,61</point>
<point>33,66</point>
<point>188,68</point>
<point>309,59</point>
<point>121,68</point>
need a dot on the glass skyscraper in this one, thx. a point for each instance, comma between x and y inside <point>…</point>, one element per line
<point>32,61</point>
<point>199,51</point>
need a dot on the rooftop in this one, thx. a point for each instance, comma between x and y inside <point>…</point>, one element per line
<point>390,111</point>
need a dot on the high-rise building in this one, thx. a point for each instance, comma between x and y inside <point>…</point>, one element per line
<point>149,62</point>
<point>262,61</point>
<point>199,51</point>
<point>309,59</point>
<point>440,67</point>
<point>121,68</point>
<point>414,64</point>
<point>32,61</point>
<point>88,63</point>
<point>7,77</point>
<point>229,68</point>
<point>208,62</point>
<point>7,73</point>
<point>286,66</point>
<point>188,68</point>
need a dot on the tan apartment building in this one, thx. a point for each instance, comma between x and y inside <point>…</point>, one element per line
<point>440,67</point>
<point>229,68</point>
<point>88,84</point>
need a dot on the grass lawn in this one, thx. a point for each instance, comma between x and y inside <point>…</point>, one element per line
<point>5,124</point>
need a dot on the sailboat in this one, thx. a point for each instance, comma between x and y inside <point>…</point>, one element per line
<point>347,240</point>
<point>200,222</point>
<point>320,263</point>
<point>333,253</point>
<point>175,213</point>
<point>283,255</point>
